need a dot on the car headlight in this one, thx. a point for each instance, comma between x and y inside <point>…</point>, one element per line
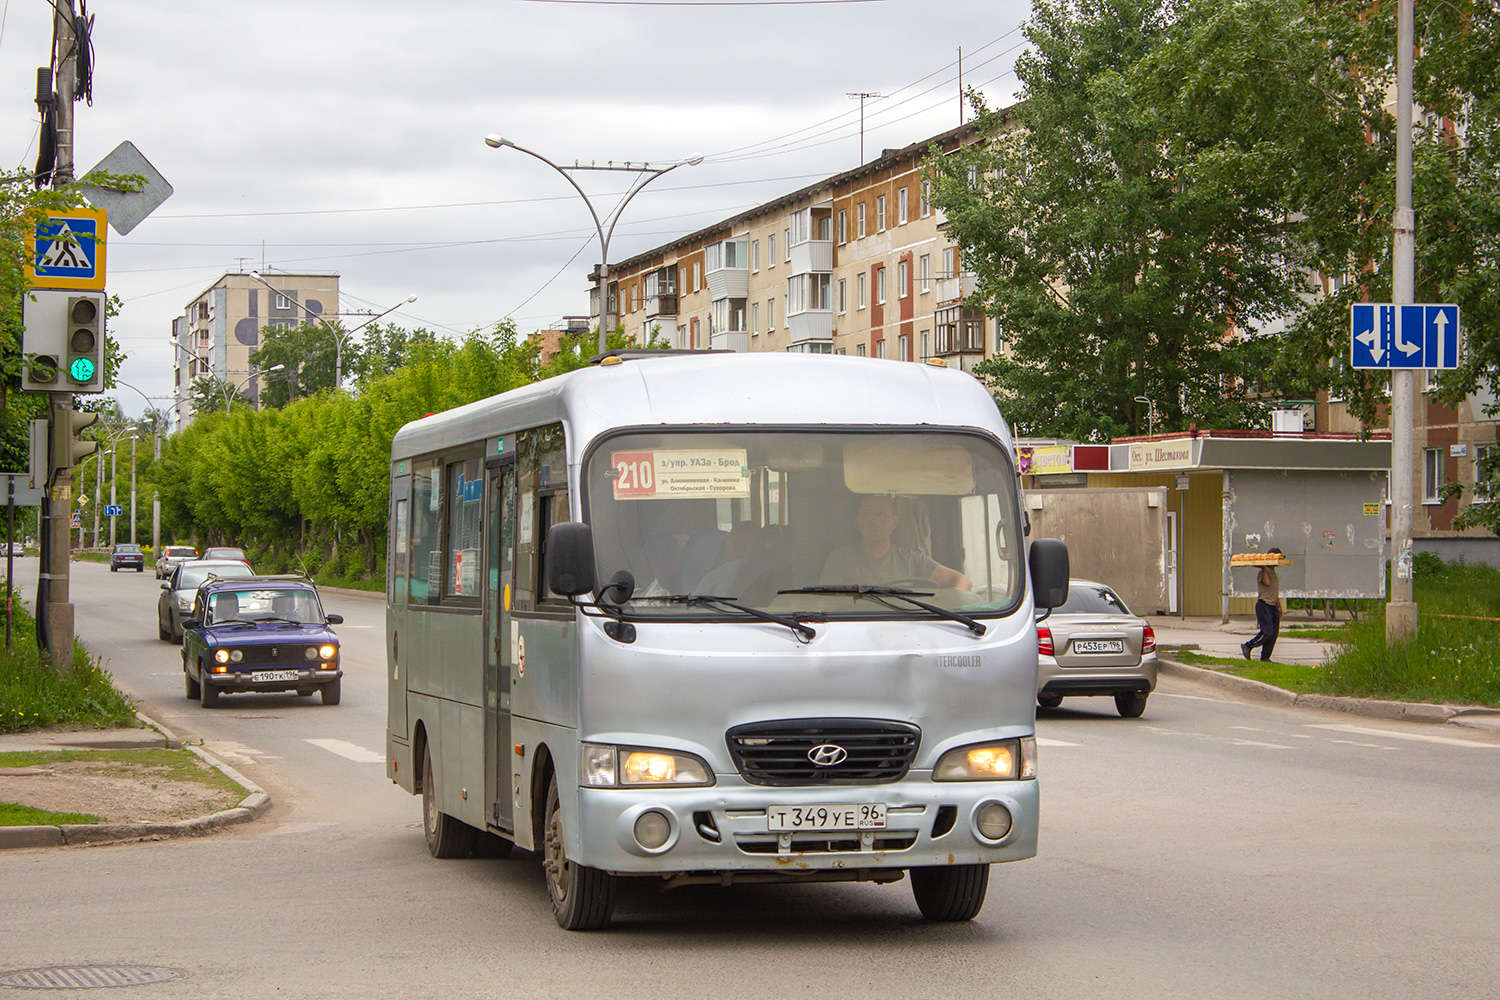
<point>184,606</point>
<point>328,652</point>
<point>235,655</point>
<point>222,655</point>
<point>310,653</point>
<point>1002,760</point>
<point>606,766</point>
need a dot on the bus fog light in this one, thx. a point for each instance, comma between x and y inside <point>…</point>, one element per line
<point>993,821</point>
<point>652,830</point>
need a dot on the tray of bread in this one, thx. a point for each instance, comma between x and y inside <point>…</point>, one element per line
<point>1259,559</point>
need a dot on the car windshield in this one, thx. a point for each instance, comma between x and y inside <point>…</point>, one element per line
<point>749,514</point>
<point>262,603</point>
<point>1091,599</point>
<point>192,576</point>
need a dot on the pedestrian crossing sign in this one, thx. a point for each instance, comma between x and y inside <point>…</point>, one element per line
<point>66,250</point>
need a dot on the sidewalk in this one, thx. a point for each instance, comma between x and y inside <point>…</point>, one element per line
<point>1210,637</point>
<point>254,803</point>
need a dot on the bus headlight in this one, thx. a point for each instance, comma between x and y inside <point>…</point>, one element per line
<point>606,766</point>
<point>1003,760</point>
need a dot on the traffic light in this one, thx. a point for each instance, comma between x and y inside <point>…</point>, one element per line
<point>67,448</point>
<point>42,340</point>
<point>84,370</point>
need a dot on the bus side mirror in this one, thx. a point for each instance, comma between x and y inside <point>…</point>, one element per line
<point>570,558</point>
<point>1049,572</point>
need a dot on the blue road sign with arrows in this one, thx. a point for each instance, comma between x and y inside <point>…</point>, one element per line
<point>114,509</point>
<point>1405,336</point>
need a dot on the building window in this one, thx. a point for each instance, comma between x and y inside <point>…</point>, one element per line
<point>880,287</point>
<point>880,348</point>
<point>843,296</point>
<point>697,275</point>
<point>924,268</point>
<point>859,349</point>
<point>786,235</point>
<point>926,345</point>
<point>1481,454</point>
<point>770,315</point>
<point>926,199</point>
<point>1432,475</point>
<point>771,250</point>
<point>880,213</point>
<point>859,220</point>
<point>282,302</point>
<point>903,278</point>
<point>902,344</point>
<point>843,226</point>
<point>860,289</point>
<point>755,319</point>
<point>755,256</point>
<point>901,207</point>
<point>950,262</point>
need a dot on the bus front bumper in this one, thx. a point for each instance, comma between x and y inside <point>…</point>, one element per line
<point>726,827</point>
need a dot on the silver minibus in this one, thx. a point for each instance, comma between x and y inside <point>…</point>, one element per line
<point>711,618</point>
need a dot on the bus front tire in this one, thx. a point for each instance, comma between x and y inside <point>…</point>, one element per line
<point>951,892</point>
<point>583,898</point>
<point>446,837</point>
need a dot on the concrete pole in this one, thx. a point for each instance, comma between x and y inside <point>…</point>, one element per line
<point>132,491</point>
<point>1401,612</point>
<point>98,491</point>
<point>603,301</point>
<point>113,448</point>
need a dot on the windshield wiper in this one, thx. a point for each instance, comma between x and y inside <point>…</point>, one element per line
<point>900,593</point>
<point>283,621</point>
<point>804,632</point>
<point>233,621</point>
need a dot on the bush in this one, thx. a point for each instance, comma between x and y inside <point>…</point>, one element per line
<point>34,695</point>
<point>1427,564</point>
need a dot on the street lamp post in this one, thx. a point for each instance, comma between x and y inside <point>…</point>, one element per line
<point>1150,414</point>
<point>647,173</point>
<point>132,489</point>
<point>338,340</point>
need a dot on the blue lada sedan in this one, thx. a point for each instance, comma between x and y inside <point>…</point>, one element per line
<point>265,633</point>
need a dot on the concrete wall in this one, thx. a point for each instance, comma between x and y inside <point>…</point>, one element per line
<point>1115,536</point>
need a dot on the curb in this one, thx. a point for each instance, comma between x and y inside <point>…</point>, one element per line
<point>1372,708</point>
<point>252,806</point>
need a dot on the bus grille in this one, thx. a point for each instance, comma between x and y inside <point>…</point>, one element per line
<point>781,753</point>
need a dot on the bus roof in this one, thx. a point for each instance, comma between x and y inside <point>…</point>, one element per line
<point>716,389</point>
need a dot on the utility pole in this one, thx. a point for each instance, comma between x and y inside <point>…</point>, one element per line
<point>54,573</point>
<point>862,96</point>
<point>960,84</point>
<point>1401,611</point>
<point>132,489</point>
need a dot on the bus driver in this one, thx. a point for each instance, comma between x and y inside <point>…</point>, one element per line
<point>874,559</point>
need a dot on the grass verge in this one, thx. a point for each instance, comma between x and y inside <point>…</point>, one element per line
<point>14,815</point>
<point>33,695</point>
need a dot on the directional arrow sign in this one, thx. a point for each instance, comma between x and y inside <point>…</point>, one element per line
<point>1424,335</point>
<point>114,509</point>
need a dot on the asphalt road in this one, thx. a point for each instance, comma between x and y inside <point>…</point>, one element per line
<point>1210,849</point>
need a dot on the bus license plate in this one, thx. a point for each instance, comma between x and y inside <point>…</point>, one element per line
<point>826,816</point>
<point>273,675</point>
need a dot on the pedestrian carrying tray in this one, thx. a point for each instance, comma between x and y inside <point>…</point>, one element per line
<point>1258,559</point>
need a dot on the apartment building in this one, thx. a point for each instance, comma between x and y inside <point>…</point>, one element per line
<point>221,327</point>
<point>857,264</point>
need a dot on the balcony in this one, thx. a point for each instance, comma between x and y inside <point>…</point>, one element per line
<point>955,289</point>
<point>726,269</point>
<point>729,340</point>
<point>810,325</point>
<point>811,256</point>
<point>661,305</point>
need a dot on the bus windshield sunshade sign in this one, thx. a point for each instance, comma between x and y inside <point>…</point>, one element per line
<point>647,475</point>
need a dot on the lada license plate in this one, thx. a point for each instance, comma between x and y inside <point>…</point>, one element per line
<point>273,675</point>
<point>1098,645</point>
<point>826,816</point>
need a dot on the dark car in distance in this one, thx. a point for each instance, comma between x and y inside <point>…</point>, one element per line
<point>127,556</point>
<point>266,633</point>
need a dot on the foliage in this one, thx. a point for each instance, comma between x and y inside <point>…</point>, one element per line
<point>33,695</point>
<point>12,814</point>
<point>210,394</point>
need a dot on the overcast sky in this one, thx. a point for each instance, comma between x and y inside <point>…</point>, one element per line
<point>331,135</point>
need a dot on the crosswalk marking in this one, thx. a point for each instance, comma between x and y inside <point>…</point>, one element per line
<point>351,751</point>
<point>1387,734</point>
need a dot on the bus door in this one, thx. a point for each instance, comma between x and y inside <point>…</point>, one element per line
<point>396,594</point>
<point>499,591</point>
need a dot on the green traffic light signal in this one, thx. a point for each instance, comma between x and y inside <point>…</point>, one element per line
<point>82,370</point>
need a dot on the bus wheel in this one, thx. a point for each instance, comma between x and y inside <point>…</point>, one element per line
<point>446,837</point>
<point>951,892</point>
<point>582,897</point>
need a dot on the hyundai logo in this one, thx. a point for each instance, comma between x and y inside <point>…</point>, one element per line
<point>827,755</point>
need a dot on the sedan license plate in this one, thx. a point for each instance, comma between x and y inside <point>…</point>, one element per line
<point>826,816</point>
<point>1098,645</point>
<point>273,675</point>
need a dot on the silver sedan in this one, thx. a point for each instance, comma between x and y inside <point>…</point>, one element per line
<point>176,600</point>
<point>1093,645</point>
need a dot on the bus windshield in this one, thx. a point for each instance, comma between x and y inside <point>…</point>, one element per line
<point>750,515</point>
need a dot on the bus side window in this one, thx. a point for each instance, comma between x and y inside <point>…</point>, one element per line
<point>552,509</point>
<point>426,544</point>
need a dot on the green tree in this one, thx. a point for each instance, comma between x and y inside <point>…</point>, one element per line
<point>306,354</point>
<point>210,394</point>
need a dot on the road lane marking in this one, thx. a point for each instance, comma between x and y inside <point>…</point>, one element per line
<point>1042,741</point>
<point>352,751</point>
<point>236,751</point>
<point>1237,741</point>
<point>1446,741</point>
